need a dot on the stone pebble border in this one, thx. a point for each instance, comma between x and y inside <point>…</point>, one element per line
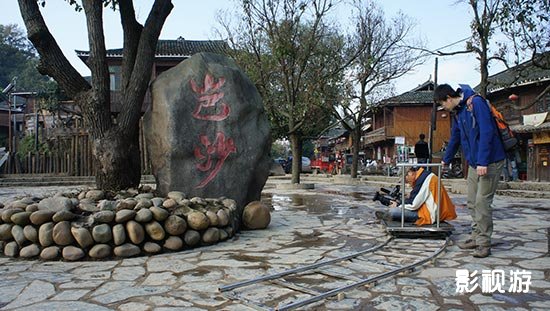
<point>94,224</point>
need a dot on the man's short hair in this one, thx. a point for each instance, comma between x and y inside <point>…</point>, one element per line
<point>422,136</point>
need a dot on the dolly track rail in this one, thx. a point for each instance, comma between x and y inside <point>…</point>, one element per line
<point>320,296</point>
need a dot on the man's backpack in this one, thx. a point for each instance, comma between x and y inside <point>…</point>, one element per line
<point>509,140</point>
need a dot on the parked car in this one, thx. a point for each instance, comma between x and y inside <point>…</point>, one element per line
<point>306,165</point>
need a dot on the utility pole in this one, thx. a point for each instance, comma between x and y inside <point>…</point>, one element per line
<point>433,125</point>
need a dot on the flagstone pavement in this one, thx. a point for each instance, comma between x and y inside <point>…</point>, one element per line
<point>306,226</point>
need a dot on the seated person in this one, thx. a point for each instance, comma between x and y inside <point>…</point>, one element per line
<point>420,204</point>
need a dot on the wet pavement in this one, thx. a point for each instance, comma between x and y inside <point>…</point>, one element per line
<point>307,226</point>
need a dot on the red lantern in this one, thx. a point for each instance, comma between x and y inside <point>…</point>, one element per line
<point>513,97</point>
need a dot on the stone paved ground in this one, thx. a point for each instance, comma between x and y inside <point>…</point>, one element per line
<point>306,226</point>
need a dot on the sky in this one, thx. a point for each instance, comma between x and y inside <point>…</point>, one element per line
<point>438,23</point>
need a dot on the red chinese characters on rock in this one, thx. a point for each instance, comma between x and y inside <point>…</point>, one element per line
<point>210,107</point>
<point>208,97</point>
<point>216,152</point>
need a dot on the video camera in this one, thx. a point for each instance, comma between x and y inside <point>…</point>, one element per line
<point>388,195</point>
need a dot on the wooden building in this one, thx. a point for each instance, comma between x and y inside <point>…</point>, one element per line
<point>522,94</point>
<point>406,115</point>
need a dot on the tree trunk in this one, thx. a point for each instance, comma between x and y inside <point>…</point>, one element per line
<point>117,159</point>
<point>356,140</point>
<point>296,146</point>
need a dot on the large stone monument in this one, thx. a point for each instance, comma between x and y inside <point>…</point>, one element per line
<point>207,131</point>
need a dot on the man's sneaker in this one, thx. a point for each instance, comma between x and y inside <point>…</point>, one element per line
<point>482,252</point>
<point>468,244</point>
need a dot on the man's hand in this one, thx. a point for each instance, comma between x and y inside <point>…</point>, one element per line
<point>393,204</point>
<point>481,170</point>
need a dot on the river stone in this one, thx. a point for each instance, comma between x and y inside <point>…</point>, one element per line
<point>146,195</point>
<point>29,251</point>
<point>95,195</point>
<point>256,215</point>
<point>157,201</point>
<point>20,204</point>
<point>62,234</point>
<point>197,221</point>
<point>192,237</point>
<point>45,234</point>
<point>21,219</point>
<point>107,205</point>
<point>100,251</point>
<point>126,204</point>
<point>175,225</point>
<point>18,235</point>
<point>229,230</point>
<point>102,233</point>
<point>155,231</point>
<point>126,250</point>
<point>119,234</point>
<point>159,213</point>
<point>213,218</point>
<point>31,233</point>
<point>208,142</point>
<point>211,235</point>
<point>169,204</point>
<point>176,195</point>
<point>223,235</point>
<point>223,218</point>
<point>63,216</point>
<point>40,217</point>
<point>230,204</point>
<point>124,215</point>
<point>50,253</point>
<point>143,203</point>
<point>135,232</point>
<point>105,216</point>
<point>11,249</point>
<point>151,247</point>
<point>32,207</point>
<point>88,205</point>
<point>56,204</point>
<point>7,213</point>
<point>82,236</point>
<point>144,215</point>
<point>5,232</point>
<point>173,243</point>
<point>72,253</point>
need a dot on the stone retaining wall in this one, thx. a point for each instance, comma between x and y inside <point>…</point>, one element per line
<point>94,224</point>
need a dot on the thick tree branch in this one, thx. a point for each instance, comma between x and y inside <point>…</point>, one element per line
<point>132,32</point>
<point>99,113</point>
<point>53,63</point>
<point>137,87</point>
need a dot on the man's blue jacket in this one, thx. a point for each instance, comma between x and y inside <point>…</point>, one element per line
<point>475,131</point>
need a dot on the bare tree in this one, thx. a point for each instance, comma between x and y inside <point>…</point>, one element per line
<point>283,45</point>
<point>115,142</point>
<point>384,55</point>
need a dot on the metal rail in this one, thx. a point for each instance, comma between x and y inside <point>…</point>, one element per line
<point>336,291</point>
<point>301,269</point>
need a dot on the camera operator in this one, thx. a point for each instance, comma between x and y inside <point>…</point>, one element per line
<point>420,204</point>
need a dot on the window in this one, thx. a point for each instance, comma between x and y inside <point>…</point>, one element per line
<point>114,78</point>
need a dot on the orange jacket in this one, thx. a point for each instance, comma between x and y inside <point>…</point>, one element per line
<point>428,207</point>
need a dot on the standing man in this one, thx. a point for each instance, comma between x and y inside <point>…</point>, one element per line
<point>474,129</point>
<point>421,150</point>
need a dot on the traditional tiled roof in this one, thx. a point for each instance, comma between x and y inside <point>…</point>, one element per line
<point>522,74</point>
<point>422,94</point>
<point>530,128</point>
<point>173,48</point>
